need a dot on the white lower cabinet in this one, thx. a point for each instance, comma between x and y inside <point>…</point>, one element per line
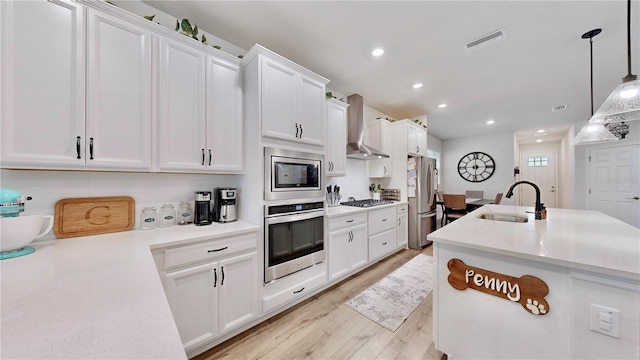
<point>212,287</point>
<point>348,250</point>
<point>382,232</point>
<point>403,228</point>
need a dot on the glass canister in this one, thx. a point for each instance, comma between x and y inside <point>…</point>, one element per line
<point>148,218</point>
<point>167,215</point>
<point>185,213</point>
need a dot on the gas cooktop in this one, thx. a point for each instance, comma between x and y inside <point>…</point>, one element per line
<point>366,203</point>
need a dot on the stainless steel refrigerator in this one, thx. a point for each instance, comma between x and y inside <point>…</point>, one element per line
<point>422,174</point>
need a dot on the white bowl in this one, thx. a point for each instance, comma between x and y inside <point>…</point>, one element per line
<point>17,232</point>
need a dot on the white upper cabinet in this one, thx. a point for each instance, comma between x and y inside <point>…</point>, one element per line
<point>42,67</point>
<point>119,93</point>
<point>336,151</point>
<point>279,101</point>
<point>182,123</point>
<point>200,112</point>
<point>416,139</point>
<point>90,86</point>
<point>381,138</point>
<point>311,111</point>
<point>288,100</point>
<point>224,115</point>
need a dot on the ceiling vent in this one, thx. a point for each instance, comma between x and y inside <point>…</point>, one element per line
<point>486,40</point>
<point>559,108</point>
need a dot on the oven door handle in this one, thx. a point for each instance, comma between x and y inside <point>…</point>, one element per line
<point>279,219</point>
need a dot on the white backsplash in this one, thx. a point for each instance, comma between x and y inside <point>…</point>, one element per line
<point>147,189</point>
<point>355,183</point>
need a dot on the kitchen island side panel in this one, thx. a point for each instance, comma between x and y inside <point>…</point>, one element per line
<point>472,324</point>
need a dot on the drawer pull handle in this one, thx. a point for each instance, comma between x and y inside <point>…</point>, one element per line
<point>298,291</point>
<point>350,221</point>
<point>78,147</point>
<point>215,278</point>
<point>384,219</point>
<point>384,243</point>
<point>216,250</point>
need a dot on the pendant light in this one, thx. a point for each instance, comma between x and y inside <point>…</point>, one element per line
<point>624,102</point>
<point>592,133</point>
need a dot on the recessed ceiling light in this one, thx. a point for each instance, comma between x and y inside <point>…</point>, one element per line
<point>539,140</point>
<point>417,86</point>
<point>442,106</point>
<point>490,122</point>
<point>377,52</point>
<point>540,131</point>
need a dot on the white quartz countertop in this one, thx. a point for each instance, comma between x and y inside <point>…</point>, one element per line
<point>95,297</point>
<point>340,210</point>
<point>581,239</point>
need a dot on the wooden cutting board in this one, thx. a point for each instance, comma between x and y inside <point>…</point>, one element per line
<point>93,215</point>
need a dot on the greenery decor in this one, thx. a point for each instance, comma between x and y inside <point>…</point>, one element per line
<point>186,29</point>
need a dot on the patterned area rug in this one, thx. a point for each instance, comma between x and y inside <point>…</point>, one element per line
<point>391,300</point>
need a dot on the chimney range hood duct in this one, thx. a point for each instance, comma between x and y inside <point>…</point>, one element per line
<point>356,149</point>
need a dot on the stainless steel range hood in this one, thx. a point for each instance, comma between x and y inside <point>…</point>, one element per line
<point>356,149</point>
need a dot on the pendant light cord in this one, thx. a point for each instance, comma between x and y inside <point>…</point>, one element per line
<point>630,76</point>
<point>628,37</point>
<point>591,75</point>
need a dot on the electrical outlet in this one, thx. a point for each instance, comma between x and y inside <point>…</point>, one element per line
<point>604,320</point>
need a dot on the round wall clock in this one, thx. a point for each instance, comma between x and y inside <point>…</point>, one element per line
<point>476,166</point>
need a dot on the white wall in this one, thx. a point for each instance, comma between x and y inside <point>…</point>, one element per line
<point>566,171</point>
<point>433,143</point>
<point>500,146</point>
<point>147,189</point>
<point>582,162</point>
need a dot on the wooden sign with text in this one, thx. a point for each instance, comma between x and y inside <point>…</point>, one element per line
<point>529,291</point>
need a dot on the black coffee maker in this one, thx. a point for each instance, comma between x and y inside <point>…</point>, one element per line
<point>224,205</point>
<point>202,211</point>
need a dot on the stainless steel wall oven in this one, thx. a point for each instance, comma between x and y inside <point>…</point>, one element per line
<point>292,174</point>
<point>294,238</point>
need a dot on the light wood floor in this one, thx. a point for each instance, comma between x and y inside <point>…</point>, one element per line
<point>323,327</point>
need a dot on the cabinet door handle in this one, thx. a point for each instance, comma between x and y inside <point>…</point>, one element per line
<point>78,147</point>
<point>634,198</point>
<point>90,148</point>
<point>202,157</point>
<point>350,221</point>
<point>216,250</point>
<point>385,169</point>
<point>399,221</point>
<point>215,277</point>
<point>297,130</point>
<point>418,147</point>
<point>300,131</point>
<point>222,270</point>
<point>298,291</point>
<point>209,157</point>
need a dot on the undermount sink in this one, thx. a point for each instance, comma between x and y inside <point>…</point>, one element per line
<point>504,217</point>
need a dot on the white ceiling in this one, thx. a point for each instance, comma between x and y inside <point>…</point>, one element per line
<point>542,63</point>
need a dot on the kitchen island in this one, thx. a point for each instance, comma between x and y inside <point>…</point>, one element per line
<point>564,287</point>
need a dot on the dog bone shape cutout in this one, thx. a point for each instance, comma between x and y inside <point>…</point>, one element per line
<point>529,291</point>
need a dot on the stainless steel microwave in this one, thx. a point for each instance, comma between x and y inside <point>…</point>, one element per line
<point>292,174</point>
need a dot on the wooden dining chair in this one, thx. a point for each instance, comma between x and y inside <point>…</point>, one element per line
<point>497,199</point>
<point>440,201</point>
<point>455,206</point>
<point>474,194</point>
